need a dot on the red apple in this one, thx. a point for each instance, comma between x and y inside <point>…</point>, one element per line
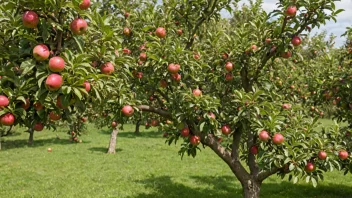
<point>126,15</point>
<point>54,82</point>
<point>278,139</point>
<point>185,132</point>
<point>139,75</point>
<point>176,77</point>
<point>30,19</point>
<point>194,140</point>
<point>226,130</point>
<point>84,5</point>
<point>143,56</point>
<point>41,52</point>
<point>4,101</point>
<point>228,77</point>
<point>254,150</point>
<point>127,31</point>
<point>38,126</point>
<point>126,51</point>
<point>59,102</point>
<point>84,119</point>
<point>219,139</point>
<point>78,26</point>
<point>296,41</point>
<point>160,32</point>
<point>286,106</point>
<point>225,56</point>
<point>127,110</point>
<point>196,56</point>
<point>173,68</point>
<point>264,136</point>
<point>26,105</point>
<point>38,106</point>
<point>56,64</point>
<point>343,154</point>
<point>8,119</point>
<point>179,32</point>
<point>107,68</point>
<point>254,47</point>
<point>286,54</point>
<point>86,85</point>
<point>229,66</point>
<point>322,155</point>
<point>291,10</point>
<point>54,116</point>
<point>155,123</point>
<point>163,83</point>
<point>309,167</point>
<point>113,124</point>
<point>197,92</point>
<point>212,115</point>
<point>267,40</point>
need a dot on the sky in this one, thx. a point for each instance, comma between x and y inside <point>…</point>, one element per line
<point>343,19</point>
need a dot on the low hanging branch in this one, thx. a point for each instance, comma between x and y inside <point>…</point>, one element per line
<point>161,112</point>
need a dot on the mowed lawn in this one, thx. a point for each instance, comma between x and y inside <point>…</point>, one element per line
<point>143,167</point>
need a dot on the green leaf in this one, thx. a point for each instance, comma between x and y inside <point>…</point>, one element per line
<point>77,93</point>
<point>201,126</point>
<point>314,182</point>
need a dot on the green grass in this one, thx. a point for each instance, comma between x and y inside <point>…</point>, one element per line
<point>143,167</point>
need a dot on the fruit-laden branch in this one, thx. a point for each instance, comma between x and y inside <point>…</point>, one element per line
<point>147,108</point>
<point>271,54</point>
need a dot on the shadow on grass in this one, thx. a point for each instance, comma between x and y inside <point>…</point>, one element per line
<point>227,186</point>
<point>163,186</point>
<point>103,149</point>
<point>11,144</point>
<point>128,134</point>
<point>12,134</point>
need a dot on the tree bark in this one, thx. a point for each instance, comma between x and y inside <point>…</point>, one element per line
<point>0,142</point>
<point>112,145</point>
<point>31,134</point>
<point>251,188</point>
<point>138,124</point>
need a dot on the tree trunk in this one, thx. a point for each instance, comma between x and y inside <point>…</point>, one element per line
<point>112,145</point>
<point>251,188</point>
<point>0,142</point>
<point>138,124</point>
<point>31,133</point>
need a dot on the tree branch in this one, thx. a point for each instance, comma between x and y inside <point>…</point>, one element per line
<point>59,35</point>
<point>238,168</point>
<point>253,166</point>
<point>210,140</point>
<point>147,108</point>
<point>199,23</point>
<point>266,173</point>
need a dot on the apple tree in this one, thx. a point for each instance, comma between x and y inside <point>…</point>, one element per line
<point>57,58</point>
<point>216,79</point>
